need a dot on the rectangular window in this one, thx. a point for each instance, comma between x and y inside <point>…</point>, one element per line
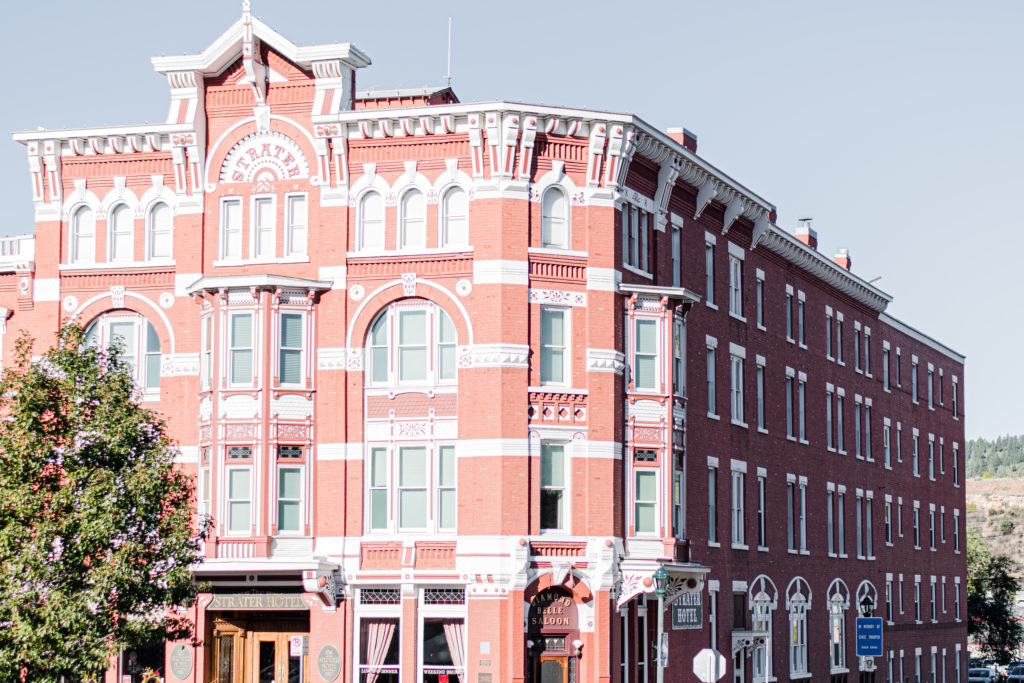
<point>713,505</point>
<point>802,510</point>
<point>956,600</point>
<point>899,442</point>
<point>956,395</point>
<point>939,388</point>
<point>791,515</point>
<point>886,447</point>
<point>736,389</point>
<point>900,593</point>
<point>646,501</point>
<point>913,379</point>
<point>915,455</point>
<point>762,538</point>
<point>552,346</point>
<point>379,651</point>
<point>712,400</point>
<point>412,487</point>
<point>676,254</point>
<point>447,501</point>
<point>885,368</point>
<point>552,487</point>
<point>869,538</point>
<point>296,225</point>
<point>899,368</point>
<point>239,500</point>
<point>760,394</point>
<point>840,437</point>
<point>263,227</point>
<point>231,229</point>
<point>801,388</point>
<point>446,349</point>
<point>828,332</point>
<point>735,286</point>
<point>856,428</point>
<point>678,372</point>
<point>759,293</point>
<point>378,489</point>
<point>830,443</point>
<point>856,346</point>
<point>931,457</point>
<point>956,531</point>
<point>830,522</point>
<point>789,313</point>
<point>899,516</point>
<point>841,522</point>
<point>290,360</point>
<point>931,528</point>
<point>888,607</point>
<point>867,351</point>
<point>888,522</point>
<point>858,517</point>
<point>931,388</point>
<point>289,499</point>
<point>917,600</point>
<point>917,527</point>
<point>241,351</point>
<point>789,407</point>
<point>956,465</point>
<point>738,537</point>
<point>800,318</point>
<point>839,338</point>
<point>207,359</point>
<point>645,354</point>
<point>867,431</point>
<point>709,274</point>
<point>412,346</point>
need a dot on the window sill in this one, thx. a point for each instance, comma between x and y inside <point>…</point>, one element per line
<point>791,340</point>
<point>859,456</point>
<point>843,556</point>
<point>802,346</point>
<point>791,438</point>
<point>829,357</point>
<point>711,305</point>
<point>117,265</point>
<point>558,388</point>
<point>740,546</point>
<point>841,452</point>
<point>888,544</point>
<point>832,555</point>
<point>841,362</point>
<point>762,327</point>
<point>797,677</point>
<point>409,252</point>
<point>868,375</point>
<point>714,416</point>
<point>714,544</point>
<point>805,552</point>
<point>931,408</point>
<point>762,430</point>
<point>737,316</point>
<point>556,251</point>
<point>636,271</point>
<point>888,467</point>
<point>858,371</point>
<point>839,670</point>
<point>739,423</point>
<point>259,261</point>
<point>792,551</point>
<point>887,390</point>
<point>805,442</point>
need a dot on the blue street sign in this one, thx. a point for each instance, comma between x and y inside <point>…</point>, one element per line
<point>869,637</point>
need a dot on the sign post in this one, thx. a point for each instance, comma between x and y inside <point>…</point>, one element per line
<point>869,637</point>
<point>709,665</point>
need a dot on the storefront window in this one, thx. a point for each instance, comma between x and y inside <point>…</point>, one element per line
<point>378,651</point>
<point>443,650</point>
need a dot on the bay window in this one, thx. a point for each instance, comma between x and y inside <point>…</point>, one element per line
<point>290,366</point>
<point>645,502</point>
<point>289,499</point>
<point>241,349</point>
<point>645,354</point>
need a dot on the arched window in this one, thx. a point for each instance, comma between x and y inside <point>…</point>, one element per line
<point>454,218</point>
<point>120,223</point>
<point>413,233</point>
<point>83,236</point>
<point>138,341</point>
<point>371,221</point>
<point>554,223</point>
<point>763,598</point>
<point>411,342</point>
<point>798,601</point>
<point>159,229</point>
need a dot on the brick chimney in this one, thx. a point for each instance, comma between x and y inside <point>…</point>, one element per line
<point>684,138</point>
<point>843,258</point>
<point>806,234</point>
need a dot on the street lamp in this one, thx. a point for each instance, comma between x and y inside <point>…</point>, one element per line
<point>867,606</point>
<point>660,587</point>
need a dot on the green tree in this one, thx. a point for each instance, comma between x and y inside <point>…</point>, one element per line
<point>97,526</point>
<point>990,598</point>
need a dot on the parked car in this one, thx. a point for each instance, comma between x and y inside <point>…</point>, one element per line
<point>1015,674</point>
<point>982,675</point>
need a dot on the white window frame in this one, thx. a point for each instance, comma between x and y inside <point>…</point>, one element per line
<point>281,349</point>
<point>563,488</point>
<point>447,219</point>
<point>228,500</point>
<point>293,227</point>
<point>229,250</point>
<point>737,356</point>
<point>760,376</point>
<point>563,348</point>
<point>759,299</point>
<point>155,232</point>
<point>408,221</point>
<point>256,231</point>
<point>82,245</point>
<point>281,467</point>
<point>549,219</point>
<point>736,257</point>
<point>738,507</point>
<point>637,354</point>
<point>370,225</point>
<point>709,271</point>
<point>232,349</point>
<point>114,255</point>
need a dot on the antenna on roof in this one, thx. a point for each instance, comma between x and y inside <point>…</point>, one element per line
<point>448,76</point>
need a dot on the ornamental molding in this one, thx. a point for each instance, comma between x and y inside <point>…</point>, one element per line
<point>179,365</point>
<point>559,297</point>
<point>500,355</point>
<point>331,358</point>
<point>605,360</point>
<point>788,247</point>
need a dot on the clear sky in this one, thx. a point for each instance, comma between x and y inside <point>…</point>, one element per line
<point>896,125</point>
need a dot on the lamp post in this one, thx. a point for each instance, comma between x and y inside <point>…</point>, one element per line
<point>867,606</point>
<point>660,586</point>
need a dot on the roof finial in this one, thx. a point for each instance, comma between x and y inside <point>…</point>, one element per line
<point>246,10</point>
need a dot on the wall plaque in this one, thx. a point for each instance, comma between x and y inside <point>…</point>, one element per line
<point>181,661</point>
<point>552,609</point>
<point>261,601</point>
<point>328,662</point>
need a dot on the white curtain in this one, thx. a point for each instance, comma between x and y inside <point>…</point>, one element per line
<point>453,631</point>
<point>379,634</point>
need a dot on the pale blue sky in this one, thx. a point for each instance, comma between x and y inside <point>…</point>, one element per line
<point>894,124</point>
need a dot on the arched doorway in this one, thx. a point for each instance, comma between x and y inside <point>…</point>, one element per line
<point>552,630</point>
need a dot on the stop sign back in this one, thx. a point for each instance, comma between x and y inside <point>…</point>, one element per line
<point>709,665</point>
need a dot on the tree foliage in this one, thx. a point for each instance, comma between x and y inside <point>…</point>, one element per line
<point>1000,457</point>
<point>97,532</point>
<point>990,597</point>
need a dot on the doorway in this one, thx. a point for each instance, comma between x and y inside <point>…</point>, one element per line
<point>254,651</point>
<point>550,670</point>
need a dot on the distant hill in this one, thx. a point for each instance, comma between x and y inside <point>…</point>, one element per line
<point>1002,457</point>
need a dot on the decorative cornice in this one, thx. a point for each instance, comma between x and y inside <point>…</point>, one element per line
<point>799,254</point>
<point>605,360</point>
<point>500,355</point>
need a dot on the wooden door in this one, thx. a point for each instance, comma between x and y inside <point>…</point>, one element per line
<point>550,670</point>
<point>270,659</point>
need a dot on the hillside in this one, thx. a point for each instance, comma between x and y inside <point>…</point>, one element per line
<point>1003,457</point>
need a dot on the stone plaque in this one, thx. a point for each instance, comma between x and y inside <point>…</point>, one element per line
<point>260,601</point>
<point>328,662</point>
<point>181,661</point>
<point>483,678</point>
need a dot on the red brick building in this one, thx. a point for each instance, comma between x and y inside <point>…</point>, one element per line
<point>465,386</point>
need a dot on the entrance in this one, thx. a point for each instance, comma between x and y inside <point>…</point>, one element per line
<point>550,670</point>
<point>248,650</point>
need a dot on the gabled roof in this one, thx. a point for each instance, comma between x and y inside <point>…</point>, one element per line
<point>227,49</point>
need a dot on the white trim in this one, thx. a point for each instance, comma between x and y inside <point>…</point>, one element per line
<point>501,272</point>
<point>598,279</point>
<point>46,289</point>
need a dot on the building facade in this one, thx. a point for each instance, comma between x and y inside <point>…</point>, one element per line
<point>469,390</point>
